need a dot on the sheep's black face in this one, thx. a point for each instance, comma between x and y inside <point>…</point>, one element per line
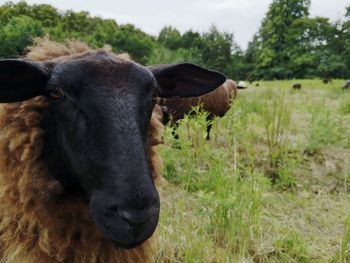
<point>102,126</point>
<point>102,107</point>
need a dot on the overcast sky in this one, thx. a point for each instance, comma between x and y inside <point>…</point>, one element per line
<point>242,17</point>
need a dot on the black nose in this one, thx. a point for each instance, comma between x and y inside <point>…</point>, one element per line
<point>129,223</point>
<point>137,218</point>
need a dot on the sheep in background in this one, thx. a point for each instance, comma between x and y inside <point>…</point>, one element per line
<point>77,147</point>
<point>216,103</point>
<point>346,84</point>
<point>241,85</point>
<point>327,80</point>
<point>297,86</point>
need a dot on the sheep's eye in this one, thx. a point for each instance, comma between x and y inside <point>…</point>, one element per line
<point>56,94</point>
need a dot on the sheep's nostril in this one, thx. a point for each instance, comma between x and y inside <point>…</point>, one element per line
<point>136,226</point>
<point>138,218</point>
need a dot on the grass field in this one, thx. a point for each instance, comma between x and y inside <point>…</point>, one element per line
<point>272,185</point>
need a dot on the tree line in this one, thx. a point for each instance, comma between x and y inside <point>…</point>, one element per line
<point>288,44</point>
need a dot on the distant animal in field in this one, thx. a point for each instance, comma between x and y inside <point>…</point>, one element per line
<point>257,84</point>
<point>346,85</point>
<point>78,163</point>
<point>242,85</point>
<point>250,79</point>
<point>297,86</point>
<point>216,103</point>
<point>327,80</point>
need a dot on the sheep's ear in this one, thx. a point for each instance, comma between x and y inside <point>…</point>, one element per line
<point>185,80</point>
<point>21,80</point>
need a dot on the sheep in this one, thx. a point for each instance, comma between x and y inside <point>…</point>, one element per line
<point>78,166</point>
<point>216,103</point>
<point>297,86</point>
<point>241,85</point>
<point>346,85</point>
<point>327,80</point>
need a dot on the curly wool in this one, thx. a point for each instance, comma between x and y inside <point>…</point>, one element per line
<point>38,222</point>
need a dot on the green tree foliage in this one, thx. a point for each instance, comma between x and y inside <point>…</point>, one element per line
<point>289,44</point>
<point>217,49</point>
<point>138,44</point>
<point>45,19</point>
<point>46,14</point>
<point>346,37</point>
<point>213,49</point>
<point>162,55</point>
<point>192,40</point>
<point>170,38</point>
<point>10,10</point>
<point>273,43</point>
<point>174,48</point>
<point>17,34</point>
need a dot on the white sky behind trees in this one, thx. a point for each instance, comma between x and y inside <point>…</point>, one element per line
<point>241,17</point>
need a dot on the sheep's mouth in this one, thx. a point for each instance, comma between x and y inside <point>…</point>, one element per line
<point>125,228</point>
<point>124,234</point>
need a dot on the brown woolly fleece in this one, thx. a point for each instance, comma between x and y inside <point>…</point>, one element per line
<point>38,223</point>
<point>216,103</point>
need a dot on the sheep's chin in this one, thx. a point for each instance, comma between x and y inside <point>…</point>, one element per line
<point>121,232</point>
<point>123,236</point>
<point>127,247</point>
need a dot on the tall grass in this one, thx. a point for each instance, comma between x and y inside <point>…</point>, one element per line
<point>343,254</point>
<point>345,103</point>
<point>245,195</point>
<point>229,195</point>
<point>276,118</point>
<point>326,128</point>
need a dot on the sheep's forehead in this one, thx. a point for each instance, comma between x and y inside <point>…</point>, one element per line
<point>94,58</point>
<point>100,68</point>
<point>101,62</point>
